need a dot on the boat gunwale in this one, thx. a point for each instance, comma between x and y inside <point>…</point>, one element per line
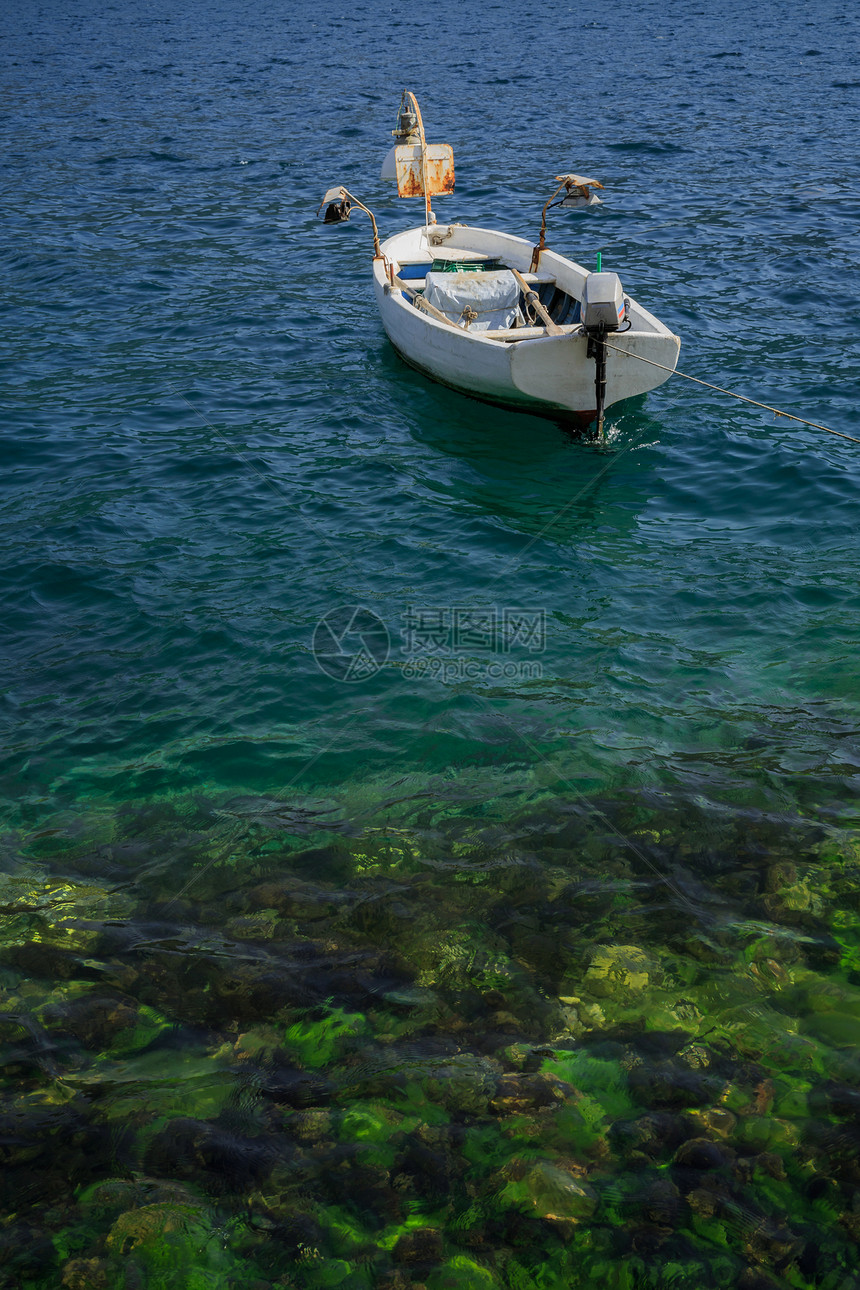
<point>394,294</point>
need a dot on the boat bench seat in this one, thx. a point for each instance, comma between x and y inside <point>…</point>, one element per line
<point>510,334</point>
<point>413,272</point>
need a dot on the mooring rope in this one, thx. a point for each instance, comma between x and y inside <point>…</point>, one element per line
<point>743,398</point>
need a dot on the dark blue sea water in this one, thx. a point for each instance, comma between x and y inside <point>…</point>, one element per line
<point>644,643</point>
<point>166,563</point>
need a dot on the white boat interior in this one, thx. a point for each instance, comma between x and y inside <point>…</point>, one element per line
<point>465,274</point>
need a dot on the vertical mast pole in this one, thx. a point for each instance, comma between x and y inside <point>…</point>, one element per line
<point>427,211</point>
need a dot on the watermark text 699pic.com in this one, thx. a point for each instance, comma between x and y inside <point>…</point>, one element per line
<point>447,643</point>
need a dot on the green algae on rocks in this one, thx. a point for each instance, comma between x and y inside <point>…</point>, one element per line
<point>437,1067</point>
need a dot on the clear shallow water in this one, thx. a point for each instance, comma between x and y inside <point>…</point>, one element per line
<point>209,445</point>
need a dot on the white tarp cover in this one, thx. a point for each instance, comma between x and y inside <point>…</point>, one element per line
<point>493,296</point>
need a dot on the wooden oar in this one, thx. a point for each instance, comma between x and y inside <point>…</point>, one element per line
<point>421,303</point>
<point>552,328</point>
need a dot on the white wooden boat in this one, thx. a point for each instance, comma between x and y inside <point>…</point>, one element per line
<point>500,318</point>
<point>521,365</point>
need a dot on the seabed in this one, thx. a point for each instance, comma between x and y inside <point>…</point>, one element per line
<point>610,1042</point>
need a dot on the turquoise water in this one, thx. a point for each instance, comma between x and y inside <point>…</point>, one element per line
<point>629,666</point>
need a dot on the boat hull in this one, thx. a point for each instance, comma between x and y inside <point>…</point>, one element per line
<point>552,376</point>
<point>505,398</point>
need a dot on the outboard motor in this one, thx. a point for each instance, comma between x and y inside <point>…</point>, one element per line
<point>603,309</point>
<point>603,305</point>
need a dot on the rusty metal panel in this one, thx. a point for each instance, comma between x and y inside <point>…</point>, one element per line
<point>439,163</point>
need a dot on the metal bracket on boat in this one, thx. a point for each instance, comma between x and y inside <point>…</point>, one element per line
<point>435,236</point>
<point>342,201</point>
<point>576,186</point>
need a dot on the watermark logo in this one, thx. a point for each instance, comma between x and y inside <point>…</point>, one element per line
<point>351,643</point>
<point>450,631</point>
<point>447,643</point>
